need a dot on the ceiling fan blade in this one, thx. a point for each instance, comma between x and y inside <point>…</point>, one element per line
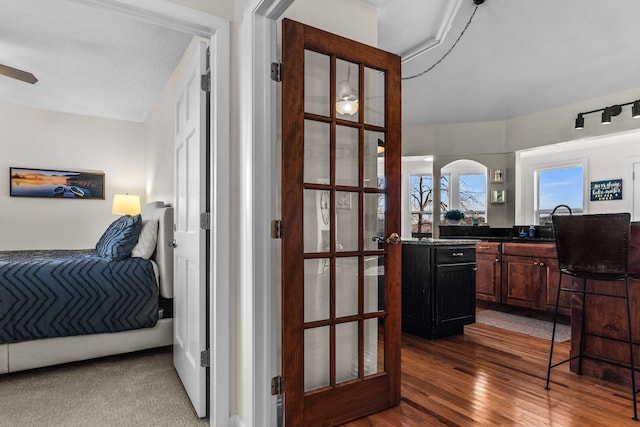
<point>17,74</point>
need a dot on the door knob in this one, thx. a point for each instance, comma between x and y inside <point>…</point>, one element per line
<point>393,239</point>
<point>173,244</point>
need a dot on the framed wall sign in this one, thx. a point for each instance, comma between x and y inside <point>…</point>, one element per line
<point>606,190</point>
<point>56,184</point>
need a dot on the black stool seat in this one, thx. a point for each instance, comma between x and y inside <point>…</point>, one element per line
<point>593,247</point>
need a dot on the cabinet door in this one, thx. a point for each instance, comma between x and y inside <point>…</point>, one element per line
<point>520,281</point>
<point>488,277</point>
<point>551,277</point>
<point>455,294</point>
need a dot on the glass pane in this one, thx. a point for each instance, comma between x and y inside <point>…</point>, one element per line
<point>374,143</point>
<point>316,152</point>
<point>347,225</point>
<point>346,286</point>
<point>346,351</point>
<point>374,214</point>
<point>316,358</point>
<point>346,156</point>
<point>316,289</point>
<point>561,186</point>
<point>472,194</point>
<point>316,221</point>
<point>374,96</point>
<point>444,193</point>
<point>347,101</point>
<point>374,284</point>
<point>317,68</point>
<point>373,346</point>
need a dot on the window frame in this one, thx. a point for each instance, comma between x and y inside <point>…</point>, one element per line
<point>535,213</point>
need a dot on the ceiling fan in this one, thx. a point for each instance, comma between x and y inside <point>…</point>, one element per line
<point>14,73</point>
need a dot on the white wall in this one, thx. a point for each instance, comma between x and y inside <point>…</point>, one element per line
<point>43,139</point>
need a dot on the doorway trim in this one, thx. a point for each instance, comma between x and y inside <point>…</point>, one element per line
<point>266,252</point>
<point>217,29</point>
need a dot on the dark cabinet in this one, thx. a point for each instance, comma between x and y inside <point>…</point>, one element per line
<point>438,289</point>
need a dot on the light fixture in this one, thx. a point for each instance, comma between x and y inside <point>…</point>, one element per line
<point>609,112</point>
<point>126,204</point>
<point>347,96</point>
<point>635,110</point>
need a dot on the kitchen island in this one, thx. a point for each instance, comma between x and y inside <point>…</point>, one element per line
<point>438,286</point>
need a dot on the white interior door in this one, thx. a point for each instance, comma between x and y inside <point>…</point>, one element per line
<point>189,255</point>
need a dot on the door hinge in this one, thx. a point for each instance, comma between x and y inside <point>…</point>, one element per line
<point>277,71</point>
<point>205,221</point>
<point>277,229</point>
<point>277,389</point>
<point>205,82</point>
<point>205,357</point>
<point>277,385</point>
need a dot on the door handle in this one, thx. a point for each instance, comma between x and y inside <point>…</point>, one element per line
<point>393,239</point>
<point>173,244</point>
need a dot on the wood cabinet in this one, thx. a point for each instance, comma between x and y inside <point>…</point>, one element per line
<point>530,277</point>
<point>489,271</point>
<point>438,289</point>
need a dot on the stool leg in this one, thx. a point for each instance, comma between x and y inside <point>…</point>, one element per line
<point>631,359</point>
<point>553,332</point>
<point>582,325</point>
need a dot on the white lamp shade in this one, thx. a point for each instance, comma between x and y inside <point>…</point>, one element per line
<point>126,204</point>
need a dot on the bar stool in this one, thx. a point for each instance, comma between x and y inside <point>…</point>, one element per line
<point>593,247</point>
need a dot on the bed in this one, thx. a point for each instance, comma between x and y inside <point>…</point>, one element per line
<point>125,307</point>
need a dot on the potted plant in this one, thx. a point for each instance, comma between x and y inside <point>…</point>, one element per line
<point>454,216</point>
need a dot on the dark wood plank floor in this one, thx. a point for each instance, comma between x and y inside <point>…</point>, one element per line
<point>493,377</point>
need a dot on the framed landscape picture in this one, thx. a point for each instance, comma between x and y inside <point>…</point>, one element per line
<point>56,184</point>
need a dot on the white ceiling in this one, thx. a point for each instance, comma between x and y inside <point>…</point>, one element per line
<point>87,59</point>
<point>516,57</point>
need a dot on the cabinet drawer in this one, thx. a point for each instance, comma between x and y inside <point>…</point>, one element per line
<point>455,255</point>
<point>488,247</point>
<point>545,250</point>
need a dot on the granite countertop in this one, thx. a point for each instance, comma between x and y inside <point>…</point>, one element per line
<point>440,242</point>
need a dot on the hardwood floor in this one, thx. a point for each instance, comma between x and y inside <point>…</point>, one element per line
<point>494,377</point>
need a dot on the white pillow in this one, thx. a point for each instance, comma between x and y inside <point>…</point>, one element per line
<point>147,241</point>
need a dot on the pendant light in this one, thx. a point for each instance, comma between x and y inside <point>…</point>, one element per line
<point>347,99</point>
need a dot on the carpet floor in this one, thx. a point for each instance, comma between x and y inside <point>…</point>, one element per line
<point>523,325</point>
<point>136,389</point>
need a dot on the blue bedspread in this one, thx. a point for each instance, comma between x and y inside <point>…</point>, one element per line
<point>46,294</point>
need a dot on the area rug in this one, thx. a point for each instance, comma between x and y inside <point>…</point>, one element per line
<point>523,325</point>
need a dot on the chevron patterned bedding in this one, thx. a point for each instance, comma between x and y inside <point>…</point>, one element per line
<point>46,294</point>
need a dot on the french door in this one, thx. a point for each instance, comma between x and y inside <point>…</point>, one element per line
<point>341,215</point>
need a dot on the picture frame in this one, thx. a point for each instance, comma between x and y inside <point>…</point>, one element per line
<point>496,175</point>
<point>498,196</point>
<point>56,184</point>
<point>343,200</point>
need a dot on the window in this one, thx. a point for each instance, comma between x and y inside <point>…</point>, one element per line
<point>558,186</point>
<point>466,192</point>
<point>422,204</point>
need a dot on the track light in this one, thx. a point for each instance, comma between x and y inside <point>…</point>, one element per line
<point>609,112</point>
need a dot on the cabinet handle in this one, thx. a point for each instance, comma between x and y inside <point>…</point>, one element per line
<point>475,268</point>
<point>497,259</point>
<point>535,262</point>
<point>457,254</point>
<point>483,247</point>
<point>542,264</point>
